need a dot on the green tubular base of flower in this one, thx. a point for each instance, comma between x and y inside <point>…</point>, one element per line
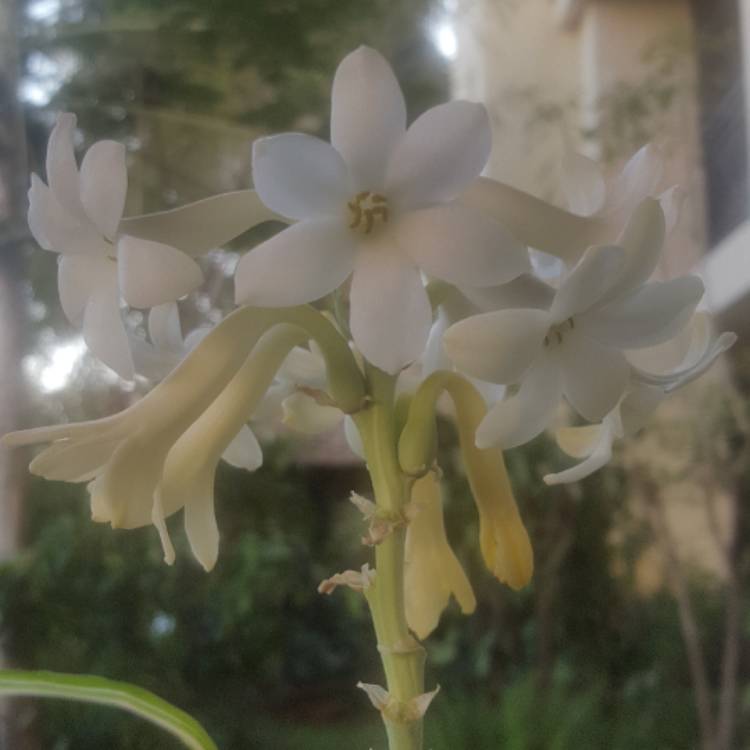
<point>504,542</point>
<point>90,689</point>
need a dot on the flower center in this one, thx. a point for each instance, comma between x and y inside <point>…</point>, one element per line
<point>556,333</point>
<point>367,210</point>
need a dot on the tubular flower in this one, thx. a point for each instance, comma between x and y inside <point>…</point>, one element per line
<point>103,257</point>
<point>432,572</point>
<point>377,204</point>
<point>648,388</point>
<point>603,308</point>
<point>123,457</point>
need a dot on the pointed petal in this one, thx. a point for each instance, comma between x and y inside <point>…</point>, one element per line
<point>594,376</point>
<point>62,171</point>
<point>368,116</point>
<point>651,315</point>
<point>583,184</point>
<point>639,179</point>
<point>536,223</point>
<point>672,202</point>
<point>78,277</point>
<point>638,407</point>
<point>499,346</point>
<point>390,314</point>
<point>642,240</point>
<point>522,417</point>
<point>164,327</point>
<point>157,517</point>
<point>579,442</point>
<point>353,438</point>
<point>300,264</point>
<point>588,282</point>
<point>244,452</point>
<point>204,225</point>
<point>152,273</point>
<point>461,246</point>
<point>54,228</point>
<point>600,455</point>
<point>443,151</point>
<point>74,460</point>
<point>300,176</point>
<point>104,331</point>
<point>104,183</point>
<point>200,525</point>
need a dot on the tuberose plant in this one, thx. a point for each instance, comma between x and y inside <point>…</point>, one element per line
<point>402,276</point>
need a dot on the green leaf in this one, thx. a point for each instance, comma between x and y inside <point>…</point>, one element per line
<point>90,689</point>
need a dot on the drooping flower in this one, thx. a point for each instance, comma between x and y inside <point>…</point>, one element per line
<point>432,573</point>
<point>648,389</point>
<point>377,204</point>
<point>604,307</point>
<point>104,258</point>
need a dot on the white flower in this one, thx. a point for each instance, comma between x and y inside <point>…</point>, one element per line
<point>103,257</point>
<point>377,205</point>
<point>590,193</point>
<point>576,348</point>
<point>593,443</point>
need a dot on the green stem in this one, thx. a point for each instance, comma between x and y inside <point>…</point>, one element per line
<point>403,658</point>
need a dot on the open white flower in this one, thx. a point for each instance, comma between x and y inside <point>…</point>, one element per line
<point>377,204</point>
<point>576,348</point>
<point>593,443</point>
<point>103,257</point>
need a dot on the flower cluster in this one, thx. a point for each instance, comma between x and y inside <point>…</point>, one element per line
<point>398,261</point>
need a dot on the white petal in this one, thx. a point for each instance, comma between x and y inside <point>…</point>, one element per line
<point>461,246</point>
<point>583,184</point>
<point>152,362</point>
<point>368,116</point>
<point>303,367</point>
<point>522,417</point>
<point>244,452</point>
<point>588,282</point>
<point>600,455</point>
<point>300,177</point>
<point>390,315</point>
<point>536,223</point>
<point>304,414</point>
<point>62,171</point>
<point>443,151</point>
<point>642,240</point>
<point>74,460</point>
<point>152,273</point>
<point>653,314</point>
<point>300,264</point>
<point>579,442</point>
<point>54,228</point>
<point>104,183</point>
<point>524,291</point>
<point>204,225</point>
<point>200,525</point>
<point>672,201</point>
<point>78,277</point>
<point>594,376</point>
<point>164,327</point>
<point>497,346</point>
<point>639,179</point>
<point>104,332</point>
<point>434,357</point>
<point>638,406</point>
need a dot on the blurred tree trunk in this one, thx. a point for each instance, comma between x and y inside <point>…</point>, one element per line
<point>13,235</point>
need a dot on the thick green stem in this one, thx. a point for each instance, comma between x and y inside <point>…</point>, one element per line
<point>402,656</point>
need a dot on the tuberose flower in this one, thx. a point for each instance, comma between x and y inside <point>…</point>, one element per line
<point>377,204</point>
<point>104,258</point>
<point>648,389</point>
<point>603,307</point>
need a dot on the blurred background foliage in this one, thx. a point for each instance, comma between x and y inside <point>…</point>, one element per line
<point>581,659</point>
